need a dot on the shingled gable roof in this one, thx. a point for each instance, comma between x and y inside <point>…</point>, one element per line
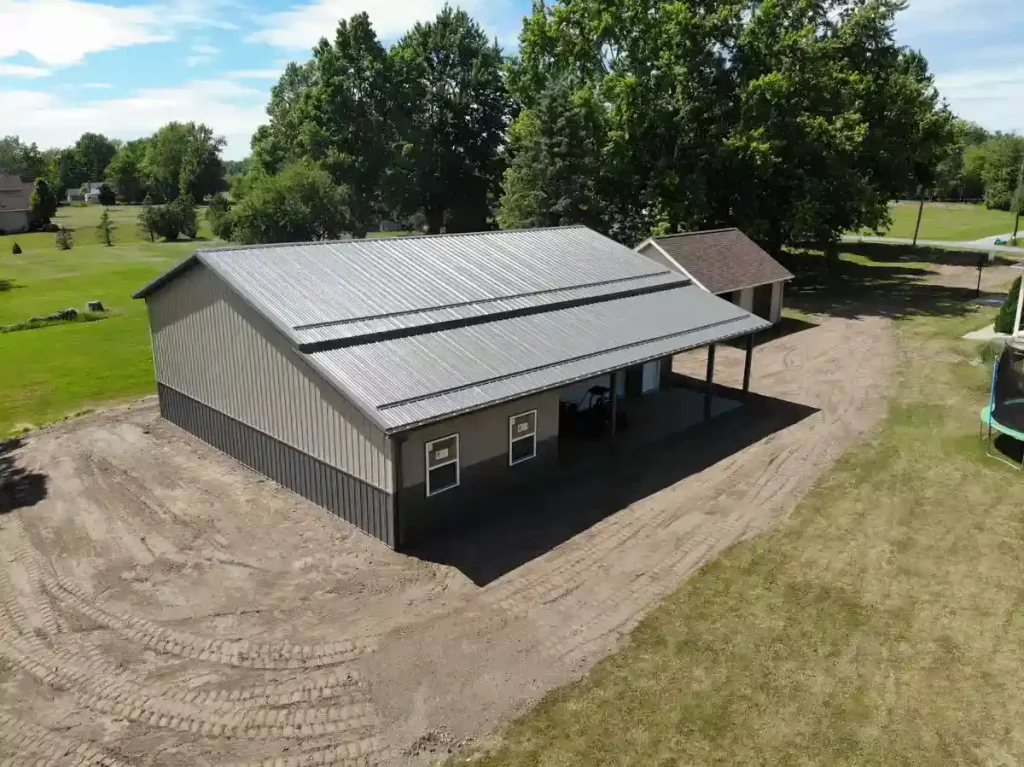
<point>416,329</point>
<point>721,260</point>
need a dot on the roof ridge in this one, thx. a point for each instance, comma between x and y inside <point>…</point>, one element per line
<point>700,231</point>
<point>402,238</point>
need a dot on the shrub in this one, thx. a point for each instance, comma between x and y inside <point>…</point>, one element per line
<point>148,221</point>
<point>16,250</point>
<point>107,196</point>
<point>1007,315</point>
<point>184,209</point>
<point>219,217</point>
<point>64,240</point>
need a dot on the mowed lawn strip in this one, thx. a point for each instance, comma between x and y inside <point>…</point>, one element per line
<point>882,622</point>
<point>947,221</point>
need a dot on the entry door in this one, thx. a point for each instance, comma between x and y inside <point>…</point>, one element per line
<point>651,377</point>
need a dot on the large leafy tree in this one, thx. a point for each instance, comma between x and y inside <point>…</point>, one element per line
<point>22,160</point>
<point>795,119</point>
<point>1000,163</point>
<point>335,109</point>
<point>301,202</point>
<point>125,172</point>
<point>94,151</point>
<point>184,158</point>
<point>957,177</point>
<point>451,114</point>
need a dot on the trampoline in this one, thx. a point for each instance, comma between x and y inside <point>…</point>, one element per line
<point>1004,413</point>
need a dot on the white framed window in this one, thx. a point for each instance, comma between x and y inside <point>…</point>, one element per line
<point>442,464</point>
<point>522,437</point>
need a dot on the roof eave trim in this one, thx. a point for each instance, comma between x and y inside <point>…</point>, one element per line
<point>654,243</point>
<point>755,285</point>
<point>154,285</point>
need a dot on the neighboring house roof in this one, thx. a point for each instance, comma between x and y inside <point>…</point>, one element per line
<point>93,186</point>
<point>721,260</point>
<point>416,329</point>
<point>14,193</point>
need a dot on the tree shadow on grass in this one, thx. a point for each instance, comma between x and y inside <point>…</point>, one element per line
<point>19,487</point>
<point>854,290</point>
<point>895,253</point>
<point>6,285</point>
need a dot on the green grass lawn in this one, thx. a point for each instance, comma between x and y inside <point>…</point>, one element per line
<point>948,221</point>
<point>881,623</point>
<point>50,372</point>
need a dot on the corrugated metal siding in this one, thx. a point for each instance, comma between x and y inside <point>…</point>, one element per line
<point>209,345</point>
<point>310,283</point>
<point>368,508</point>
<point>415,379</point>
<point>483,435</point>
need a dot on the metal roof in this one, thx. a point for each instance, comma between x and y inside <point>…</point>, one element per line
<point>416,329</point>
<point>421,378</point>
<point>323,291</point>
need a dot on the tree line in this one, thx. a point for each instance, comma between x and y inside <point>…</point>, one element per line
<point>796,120</point>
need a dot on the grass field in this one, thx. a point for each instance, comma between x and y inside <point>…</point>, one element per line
<point>948,221</point>
<point>48,373</point>
<point>881,623</point>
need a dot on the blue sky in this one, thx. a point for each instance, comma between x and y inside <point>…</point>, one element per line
<point>125,68</point>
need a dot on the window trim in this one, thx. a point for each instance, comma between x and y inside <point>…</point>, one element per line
<point>427,449</point>
<point>532,435</point>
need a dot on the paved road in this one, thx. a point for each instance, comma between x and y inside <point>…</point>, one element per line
<point>959,245</point>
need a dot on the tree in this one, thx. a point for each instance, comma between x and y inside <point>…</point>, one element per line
<point>183,210</point>
<point>94,151</point>
<point>125,171</point>
<point>42,204</point>
<point>300,203</point>
<point>793,119</point>
<point>1008,313</point>
<point>452,113</point>
<point>556,174</point>
<point>149,219</point>
<point>1002,158</point>
<point>64,239</point>
<point>184,158</point>
<point>218,215</point>
<point>22,160</point>
<point>67,169</point>
<point>335,109</point>
<point>106,228</point>
<point>958,178</point>
<point>107,196</point>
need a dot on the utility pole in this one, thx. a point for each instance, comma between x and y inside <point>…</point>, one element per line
<point>920,210</point>
<point>1020,181</point>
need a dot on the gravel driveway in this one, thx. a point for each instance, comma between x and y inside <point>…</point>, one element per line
<point>164,605</point>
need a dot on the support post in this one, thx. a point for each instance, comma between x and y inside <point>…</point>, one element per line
<point>747,362</point>
<point>1020,309</point>
<point>709,392</point>
<point>920,211</point>
<point>1016,219</point>
<point>615,401</point>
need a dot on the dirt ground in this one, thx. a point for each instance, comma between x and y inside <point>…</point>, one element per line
<point>163,605</point>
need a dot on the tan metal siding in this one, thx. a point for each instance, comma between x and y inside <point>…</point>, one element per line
<point>483,435</point>
<point>776,312</point>
<point>210,345</point>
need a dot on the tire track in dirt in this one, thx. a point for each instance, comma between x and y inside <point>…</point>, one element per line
<point>35,744</point>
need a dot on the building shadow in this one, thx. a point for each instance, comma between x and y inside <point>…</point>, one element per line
<point>581,495</point>
<point>19,487</point>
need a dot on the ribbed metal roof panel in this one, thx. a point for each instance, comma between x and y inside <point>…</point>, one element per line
<point>401,280</point>
<point>416,379</point>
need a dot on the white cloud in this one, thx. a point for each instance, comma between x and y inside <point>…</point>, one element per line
<point>20,70</point>
<point>201,54</point>
<point>924,18</point>
<point>231,109</point>
<point>992,97</point>
<point>302,26</point>
<point>255,74</point>
<point>97,85</point>
<point>63,32</point>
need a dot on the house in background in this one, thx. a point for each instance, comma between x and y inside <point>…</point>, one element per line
<point>727,263</point>
<point>88,192</point>
<point>14,200</point>
<point>404,383</point>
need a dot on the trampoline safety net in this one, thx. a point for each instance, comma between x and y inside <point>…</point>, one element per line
<point>1008,395</point>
